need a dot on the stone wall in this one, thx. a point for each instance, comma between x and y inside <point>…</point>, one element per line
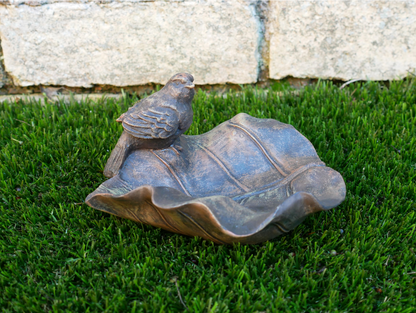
<point>85,43</point>
<point>355,39</point>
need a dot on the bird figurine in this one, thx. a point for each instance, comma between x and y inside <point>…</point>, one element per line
<point>154,122</point>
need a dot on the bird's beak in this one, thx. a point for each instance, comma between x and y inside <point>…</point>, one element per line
<point>190,86</point>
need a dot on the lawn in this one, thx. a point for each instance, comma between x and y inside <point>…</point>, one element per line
<point>57,254</point>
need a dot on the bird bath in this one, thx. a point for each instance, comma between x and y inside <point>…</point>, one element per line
<point>248,180</point>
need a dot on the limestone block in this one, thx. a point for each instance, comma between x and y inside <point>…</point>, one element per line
<point>354,39</point>
<point>121,43</point>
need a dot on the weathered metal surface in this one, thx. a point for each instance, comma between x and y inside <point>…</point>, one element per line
<point>154,122</point>
<point>248,180</point>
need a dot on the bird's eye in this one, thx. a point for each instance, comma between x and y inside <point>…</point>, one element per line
<point>176,83</point>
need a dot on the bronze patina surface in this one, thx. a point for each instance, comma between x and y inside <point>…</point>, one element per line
<point>154,122</point>
<point>248,180</point>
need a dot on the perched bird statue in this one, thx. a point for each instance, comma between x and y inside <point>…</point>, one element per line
<point>154,122</point>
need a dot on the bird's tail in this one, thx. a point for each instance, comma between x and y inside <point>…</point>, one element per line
<point>118,156</point>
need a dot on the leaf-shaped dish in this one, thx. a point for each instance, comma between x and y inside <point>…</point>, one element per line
<point>248,180</point>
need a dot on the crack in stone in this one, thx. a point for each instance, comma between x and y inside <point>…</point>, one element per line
<point>4,77</point>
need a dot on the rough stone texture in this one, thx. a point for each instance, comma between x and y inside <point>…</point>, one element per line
<point>132,42</point>
<point>355,39</point>
<point>45,2</point>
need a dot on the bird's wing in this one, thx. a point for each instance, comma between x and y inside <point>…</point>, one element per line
<point>152,123</point>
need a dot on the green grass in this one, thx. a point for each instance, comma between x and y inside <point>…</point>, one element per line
<point>57,254</point>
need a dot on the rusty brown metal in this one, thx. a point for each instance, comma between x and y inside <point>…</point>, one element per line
<point>248,180</point>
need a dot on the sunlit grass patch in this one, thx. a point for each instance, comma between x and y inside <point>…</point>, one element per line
<point>58,254</point>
